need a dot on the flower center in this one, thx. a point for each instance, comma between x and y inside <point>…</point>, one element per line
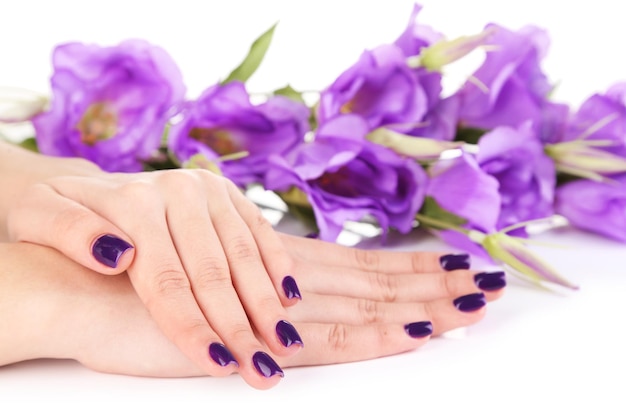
<point>98,123</point>
<point>219,140</point>
<point>338,182</point>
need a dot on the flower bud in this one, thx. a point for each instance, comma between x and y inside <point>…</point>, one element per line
<point>415,147</point>
<point>443,52</point>
<point>513,253</point>
<point>20,105</point>
<point>582,159</point>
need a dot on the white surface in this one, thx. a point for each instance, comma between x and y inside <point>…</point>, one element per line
<point>535,352</point>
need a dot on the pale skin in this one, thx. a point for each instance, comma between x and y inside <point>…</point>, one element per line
<point>204,267</point>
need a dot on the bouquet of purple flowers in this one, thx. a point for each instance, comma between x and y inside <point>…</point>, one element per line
<point>381,143</point>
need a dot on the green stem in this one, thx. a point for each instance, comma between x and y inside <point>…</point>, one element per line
<point>429,221</point>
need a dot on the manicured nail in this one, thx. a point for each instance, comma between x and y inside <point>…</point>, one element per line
<point>291,288</point>
<point>470,302</point>
<point>108,249</point>
<point>419,329</point>
<point>490,281</point>
<point>221,355</point>
<point>265,365</point>
<point>312,235</point>
<point>288,334</point>
<point>455,261</point>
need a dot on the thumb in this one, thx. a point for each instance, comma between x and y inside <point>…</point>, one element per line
<point>48,218</point>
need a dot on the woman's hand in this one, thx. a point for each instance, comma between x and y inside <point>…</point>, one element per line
<point>209,268</point>
<point>356,305</point>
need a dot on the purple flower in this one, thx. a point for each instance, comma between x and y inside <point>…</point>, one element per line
<point>223,121</point>
<point>602,117</point>
<point>525,174</point>
<point>460,187</point>
<point>416,36</point>
<point>346,177</point>
<point>110,104</point>
<point>510,87</point>
<point>595,206</point>
<point>380,87</point>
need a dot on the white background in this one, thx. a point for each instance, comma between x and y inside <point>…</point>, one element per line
<point>536,352</point>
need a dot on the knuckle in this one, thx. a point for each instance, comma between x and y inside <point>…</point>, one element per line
<point>366,259</point>
<point>141,192</point>
<point>418,263</point>
<point>169,280</point>
<point>338,337</point>
<point>384,285</point>
<point>212,274</point>
<point>369,310</point>
<point>240,249</point>
<point>69,218</point>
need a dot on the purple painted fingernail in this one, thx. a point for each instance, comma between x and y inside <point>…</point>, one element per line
<point>470,302</point>
<point>221,355</point>
<point>455,261</point>
<point>265,365</point>
<point>108,249</point>
<point>288,334</point>
<point>490,281</point>
<point>419,329</point>
<point>291,288</point>
<point>312,235</point>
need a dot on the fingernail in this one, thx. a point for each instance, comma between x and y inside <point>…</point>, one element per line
<point>265,365</point>
<point>470,302</point>
<point>291,288</point>
<point>490,281</point>
<point>288,334</point>
<point>312,235</point>
<point>455,261</point>
<point>108,249</point>
<point>221,355</point>
<point>419,329</point>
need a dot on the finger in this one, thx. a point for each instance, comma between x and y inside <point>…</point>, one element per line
<point>250,278</point>
<point>444,314</point>
<point>206,265</point>
<point>276,258</point>
<point>373,260</point>
<point>402,287</point>
<point>46,217</point>
<point>339,342</point>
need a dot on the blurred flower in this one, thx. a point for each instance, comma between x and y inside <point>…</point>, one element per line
<point>510,87</point>
<point>602,117</point>
<point>20,105</point>
<point>582,158</point>
<point>416,36</point>
<point>526,176</point>
<point>459,187</point>
<point>109,104</point>
<point>223,121</point>
<point>594,206</point>
<point>445,51</point>
<point>380,87</point>
<point>346,177</point>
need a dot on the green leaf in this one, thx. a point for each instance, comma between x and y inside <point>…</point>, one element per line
<point>30,144</point>
<point>289,92</point>
<point>432,210</point>
<point>468,135</point>
<point>252,61</point>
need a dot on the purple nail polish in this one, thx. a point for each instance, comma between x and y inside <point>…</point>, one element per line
<point>312,235</point>
<point>108,249</point>
<point>490,281</point>
<point>221,355</point>
<point>288,334</point>
<point>419,329</point>
<point>470,302</point>
<point>455,261</point>
<point>265,365</point>
<point>291,288</point>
